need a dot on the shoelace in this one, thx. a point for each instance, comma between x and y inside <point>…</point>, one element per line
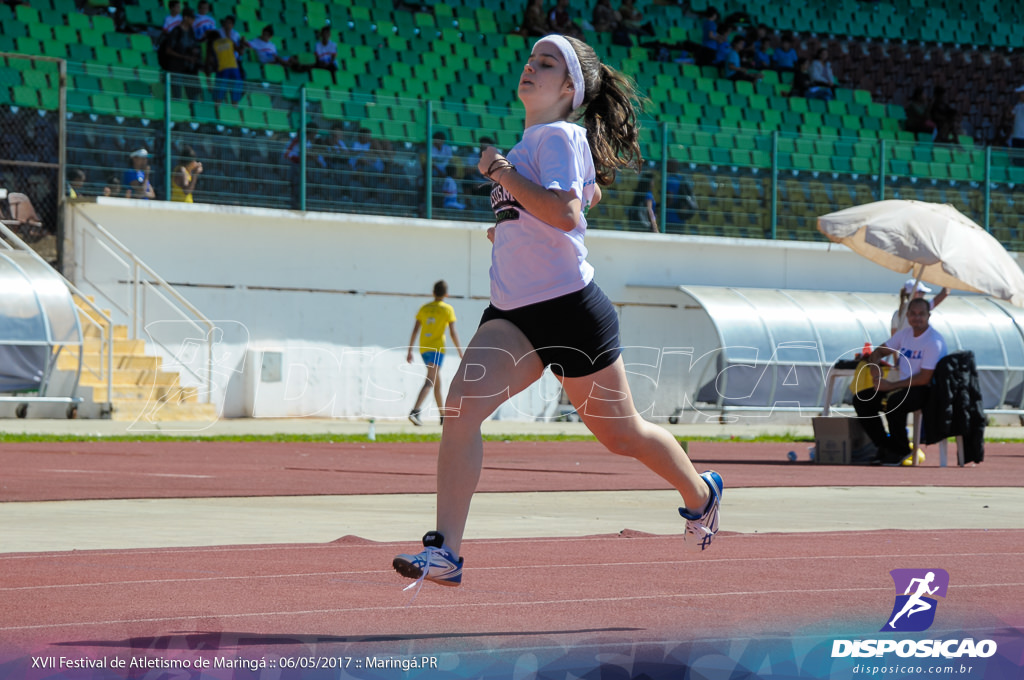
<point>705,531</point>
<point>418,583</point>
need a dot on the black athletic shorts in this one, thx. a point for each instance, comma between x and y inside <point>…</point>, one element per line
<point>575,334</point>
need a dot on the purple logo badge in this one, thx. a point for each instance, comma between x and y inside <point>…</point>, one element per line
<point>916,590</point>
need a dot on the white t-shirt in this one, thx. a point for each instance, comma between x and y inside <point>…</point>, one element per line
<point>920,353</point>
<point>326,54</point>
<point>202,24</point>
<point>1018,121</point>
<point>171,21</point>
<point>533,261</point>
<point>265,50</point>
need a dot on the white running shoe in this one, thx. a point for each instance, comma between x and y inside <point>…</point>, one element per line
<point>701,529</point>
<point>436,563</point>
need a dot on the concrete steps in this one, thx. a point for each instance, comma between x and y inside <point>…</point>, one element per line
<point>141,389</point>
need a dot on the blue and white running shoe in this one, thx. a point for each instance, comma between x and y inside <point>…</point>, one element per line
<point>436,563</point>
<point>701,529</point>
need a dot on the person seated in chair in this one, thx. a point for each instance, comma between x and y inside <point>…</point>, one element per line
<point>918,349</point>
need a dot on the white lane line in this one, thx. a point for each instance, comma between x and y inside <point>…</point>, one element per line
<point>476,568</point>
<point>464,605</point>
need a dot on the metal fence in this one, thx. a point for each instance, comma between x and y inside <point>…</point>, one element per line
<point>313,147</point>
<point>31,149</point>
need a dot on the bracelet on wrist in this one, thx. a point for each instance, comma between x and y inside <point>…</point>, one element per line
<point>504,167</point>
<point>496,166</point>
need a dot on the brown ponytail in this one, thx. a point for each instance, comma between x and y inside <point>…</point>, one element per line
<point>611,104</point>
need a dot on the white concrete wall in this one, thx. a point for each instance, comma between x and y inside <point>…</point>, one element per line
<point>336,294</point>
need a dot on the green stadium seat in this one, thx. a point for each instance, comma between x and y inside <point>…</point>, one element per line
<point>130,107</point>
<point>278,120</point>
<point>39,31</point>
<point>118,40</point>
<point>842,164</point>
<point>899,167</point>
<point>112,86</point>
<point>27,45</point>
<point>231,115</point>
<point>36,79</point>
<point>104,104</point>
<point>153,108</point>
<point>23,95</point>
<point>740,157</point>
<point>27,14</point>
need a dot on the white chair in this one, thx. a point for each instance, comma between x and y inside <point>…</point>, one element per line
<point>918,418</point>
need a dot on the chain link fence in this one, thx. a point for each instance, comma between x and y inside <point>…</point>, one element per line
<point>31,186</point>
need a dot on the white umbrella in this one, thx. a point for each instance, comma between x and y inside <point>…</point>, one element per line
<point>937,243</point>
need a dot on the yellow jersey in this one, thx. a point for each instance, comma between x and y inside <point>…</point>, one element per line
<point>434,318</point>
<point>224,48</point>
<point>177,193</point>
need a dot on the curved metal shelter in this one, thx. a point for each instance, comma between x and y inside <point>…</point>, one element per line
<point>37,320</point>
<point>773,350</point>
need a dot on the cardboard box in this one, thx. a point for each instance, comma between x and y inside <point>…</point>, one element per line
<point>839,440</point>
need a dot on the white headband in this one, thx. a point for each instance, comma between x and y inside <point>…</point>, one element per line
<point>572,62</point>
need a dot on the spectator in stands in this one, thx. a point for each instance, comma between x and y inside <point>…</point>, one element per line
<point>326,53</point>
<point>604,18</point>
<point>441,154</point>
<point>367,154</point>
<point>823,81</point>
<point>1017,133</point>
<point>450,190</point>
<point>183,53</point>
<point>944,116</point>
<point>918,110</point>
<point>680,203</point>
<point>785,57</point>
<point>185,176</point>
<point>368,160</point>
<point>725,33</point>
<point>204,21</point>
<point>801,80</point>
<point>762,55</point>
<point>732,68</point>
<point>647,201</point>
<point>631,19</point>
<point>560,21</point>
<point>709,38</point>
<point>173,17</point>
<point>222,60</point>
<point>75,182</point>
<point>534,22</point>
<point>112,187</point>
<point>227,28</point>
<point>136,179</point>
<point>266,50</point>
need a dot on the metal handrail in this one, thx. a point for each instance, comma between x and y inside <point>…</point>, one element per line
<point>106,332</point>
<point>136,314</point>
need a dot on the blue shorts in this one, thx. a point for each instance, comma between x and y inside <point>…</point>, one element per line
<point>433,358</point>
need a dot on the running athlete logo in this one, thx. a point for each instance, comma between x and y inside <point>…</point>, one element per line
<point>914,609</point>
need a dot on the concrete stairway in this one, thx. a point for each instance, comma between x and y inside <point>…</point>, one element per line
<point>140,388</point>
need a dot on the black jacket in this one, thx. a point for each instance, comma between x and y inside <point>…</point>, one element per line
<point>955,405</point>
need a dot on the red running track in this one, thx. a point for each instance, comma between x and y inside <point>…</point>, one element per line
<point>523,603</point>
<point>104,470</point>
